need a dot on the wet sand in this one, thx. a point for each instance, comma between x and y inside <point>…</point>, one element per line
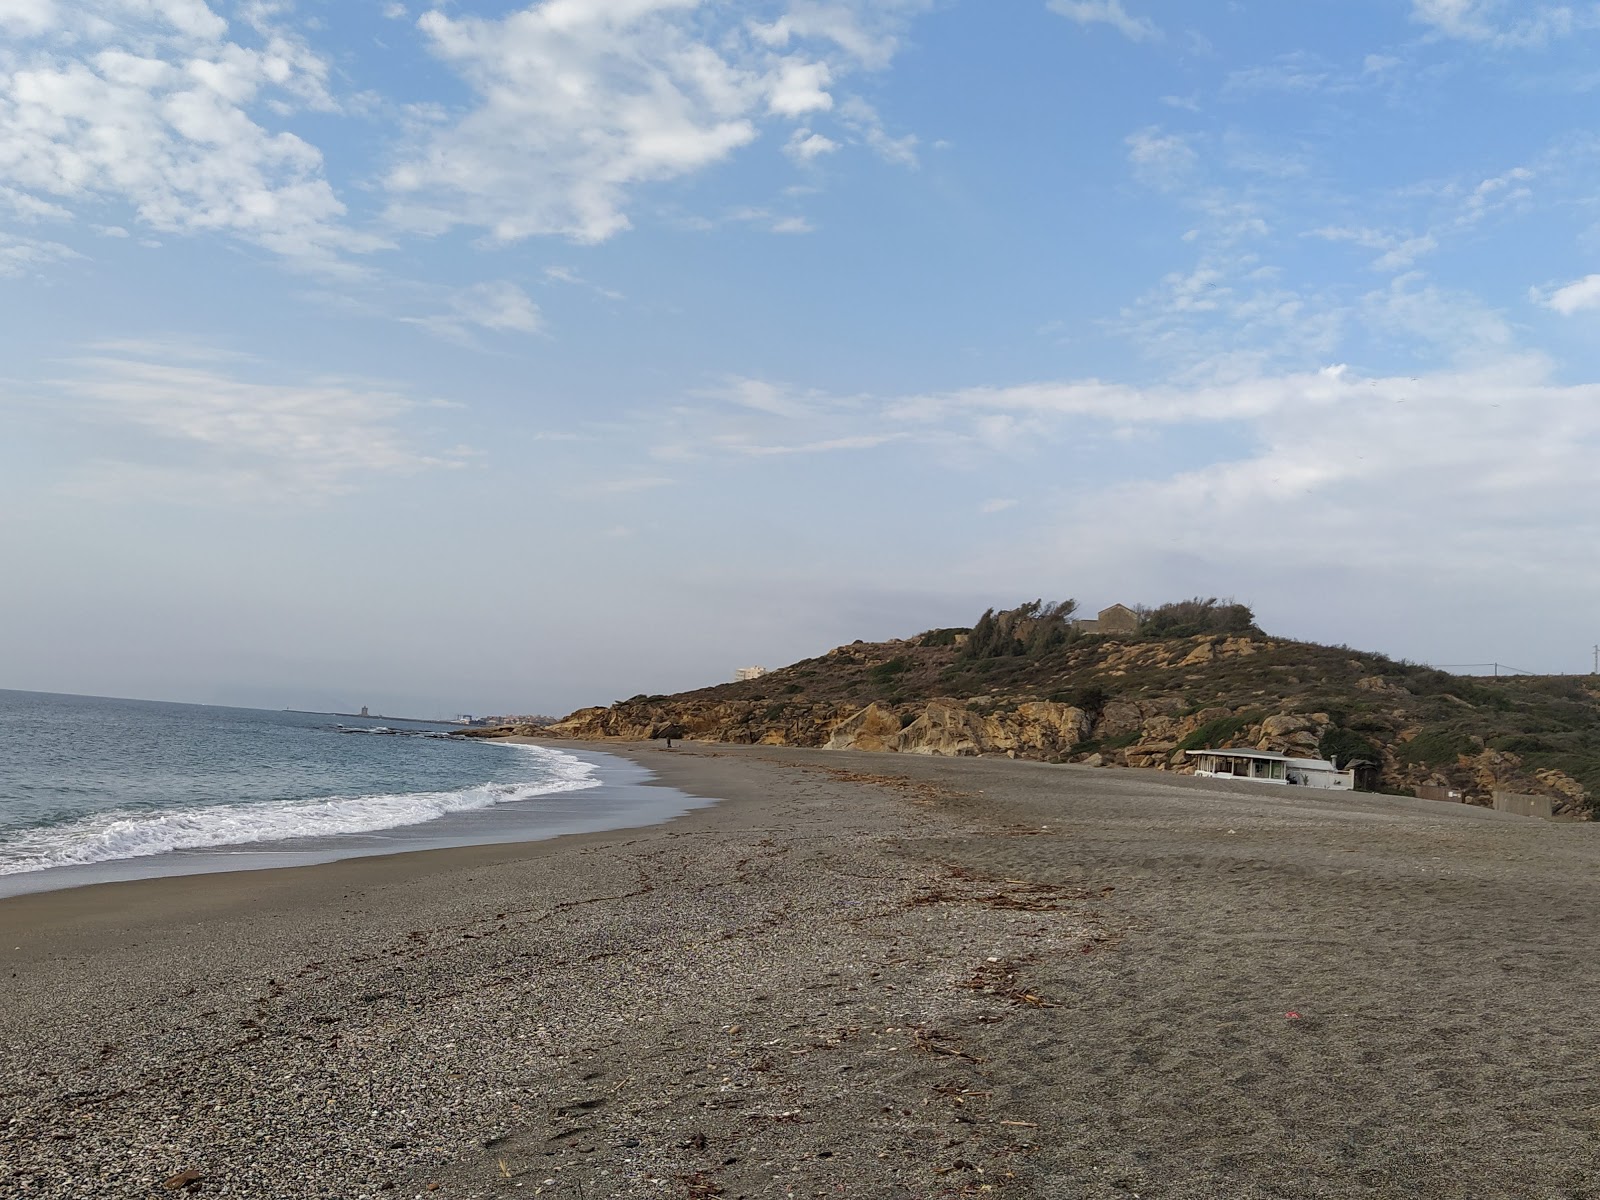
<point>860,975</point>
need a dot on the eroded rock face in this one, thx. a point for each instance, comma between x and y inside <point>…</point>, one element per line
<point>1142,728</point>
<point>873,728</point>
<point>944,728</point>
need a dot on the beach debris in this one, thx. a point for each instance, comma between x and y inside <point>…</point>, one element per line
<point>1292,1015</point>
<point>700,1185</point>
<point>572,1106</point>
<point>932,1042</point>
<point>183,1180</point>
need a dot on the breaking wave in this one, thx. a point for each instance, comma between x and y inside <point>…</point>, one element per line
<point>125,833</point>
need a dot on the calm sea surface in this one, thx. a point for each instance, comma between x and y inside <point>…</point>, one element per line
<point>94,789</point>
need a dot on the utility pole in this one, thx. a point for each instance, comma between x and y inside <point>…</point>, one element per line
<point>1597,660</point>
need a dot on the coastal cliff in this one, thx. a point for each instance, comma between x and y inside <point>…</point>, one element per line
<point>1040,689</point>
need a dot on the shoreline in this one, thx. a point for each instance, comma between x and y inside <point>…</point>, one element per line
<point>856,974</point>
<point>616,801</point>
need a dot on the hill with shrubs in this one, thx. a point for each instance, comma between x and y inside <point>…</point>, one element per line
<point>1031,682</point>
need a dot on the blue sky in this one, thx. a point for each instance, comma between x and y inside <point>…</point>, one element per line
<point>514,357</point>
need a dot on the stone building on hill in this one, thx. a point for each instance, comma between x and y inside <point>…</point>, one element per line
<point>1119,618</point>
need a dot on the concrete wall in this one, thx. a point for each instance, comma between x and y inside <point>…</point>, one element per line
<point>1524,806</point>
<point>1432,791</point>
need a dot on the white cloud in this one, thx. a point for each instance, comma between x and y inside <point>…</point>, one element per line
<point>763,396</point>
<point>195,427</point>
<point>989,507</point>
<point>1159,158</point>
<point>864,120</point>
<point>28,17</point>
<point>1579,296</point>
<point>578,106</point>
<point>1456,324</point>
<point>1107,12</point>
<point>569,276</point>
<point>799,87</point>
<point>866,441</point>
<point>156,107</point>
<point>628,486</point>
<point>1399,252</point>
<point>1502,25</point>
<point>498,307</point>
<point>866,30</point>
<point>1494,195</point>
<point>753,215</point>
<point>1393,479</point>
<point>21,255</point>
<point>804,145</point>
<point>1493,461</point>
<point>1297,72</point>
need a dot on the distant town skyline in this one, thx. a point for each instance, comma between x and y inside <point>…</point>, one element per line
<point>500,357</point>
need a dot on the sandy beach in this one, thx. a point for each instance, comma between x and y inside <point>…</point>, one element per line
<point>858,975</point>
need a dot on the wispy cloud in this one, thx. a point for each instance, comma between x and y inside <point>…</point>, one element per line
<point>1503,25</point>
<point>1107,12</point>
<point>498,307</point>
<point>20,255</point>
<point>193,429</point>
<point>568,276</point>
<point>1160,158</point>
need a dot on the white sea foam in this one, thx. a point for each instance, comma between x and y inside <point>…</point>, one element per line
<point>122,834</point>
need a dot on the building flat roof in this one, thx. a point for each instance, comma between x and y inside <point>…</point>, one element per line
<point>1310,764</point>
<point>1273,754</point>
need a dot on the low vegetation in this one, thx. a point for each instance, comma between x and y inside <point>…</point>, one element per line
<point>1196,674</point>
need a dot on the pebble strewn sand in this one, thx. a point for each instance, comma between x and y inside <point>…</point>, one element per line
<point>863,975</point>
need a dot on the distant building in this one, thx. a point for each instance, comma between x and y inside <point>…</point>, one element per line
<point>464,719</point>
<point>744,674</point>
<point>364,711</point>
<point>1268,766</point>
<point>1119,618</point>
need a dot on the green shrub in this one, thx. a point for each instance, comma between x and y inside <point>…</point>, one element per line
<point>941,637</point>
<point>1435,748</point>
<point>1520,744</point>
<point>1214,735</point>
<point>886,671</point>
<point>1028,631</point>
<point>1344,747</point>
<point>1191,618</point>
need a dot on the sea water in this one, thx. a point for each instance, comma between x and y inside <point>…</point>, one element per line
<point>94,789</point>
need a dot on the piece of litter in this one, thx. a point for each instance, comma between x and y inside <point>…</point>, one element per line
<point>1292,1015</point>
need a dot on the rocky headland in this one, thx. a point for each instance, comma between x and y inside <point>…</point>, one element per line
<point>1032,683</point>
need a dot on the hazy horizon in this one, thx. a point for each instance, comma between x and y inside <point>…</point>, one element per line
<point>515,357</point>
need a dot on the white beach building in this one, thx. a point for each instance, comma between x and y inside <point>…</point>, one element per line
<point>1268,766</point>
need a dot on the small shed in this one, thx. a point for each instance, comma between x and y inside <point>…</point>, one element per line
<point>1268,766</point>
